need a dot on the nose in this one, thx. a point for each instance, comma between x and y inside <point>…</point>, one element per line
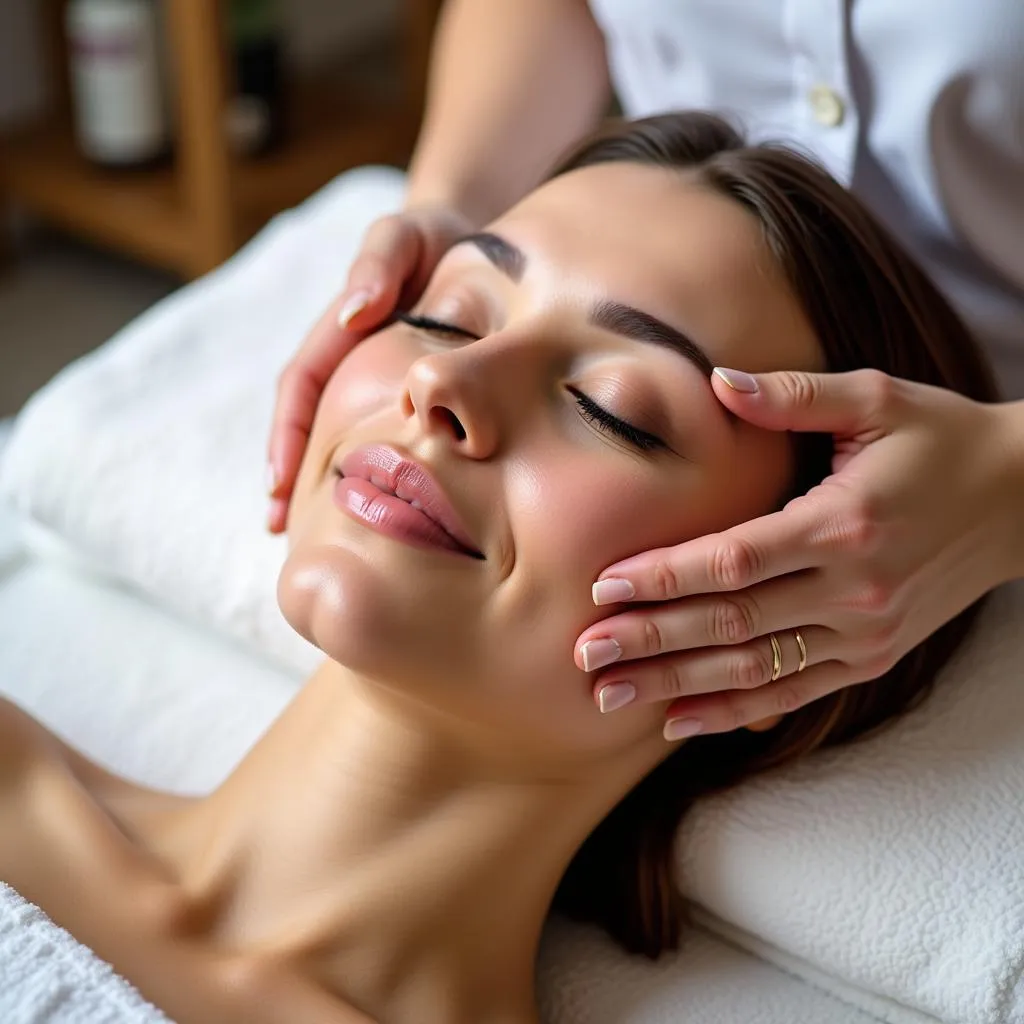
<point>447,393</point>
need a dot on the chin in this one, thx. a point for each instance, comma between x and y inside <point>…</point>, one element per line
<point>327,596</point>
<point>367,611</point>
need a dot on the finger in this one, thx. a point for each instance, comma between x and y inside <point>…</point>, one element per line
<point>713,669</point>
<point>733,617</point>
<point>277,515</point>
<point>389,255</point>
<point>373,284</point>
<point>389,251</point>
<point>299,390</point>
<point>848,404</point>
<point>734,709</point>
<point>769,546</point>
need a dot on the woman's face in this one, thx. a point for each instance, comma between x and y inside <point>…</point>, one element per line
<point>569,419</point>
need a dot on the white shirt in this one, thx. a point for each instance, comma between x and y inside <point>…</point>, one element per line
<point>916,106</point>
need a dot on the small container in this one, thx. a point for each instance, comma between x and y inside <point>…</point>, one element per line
<point>120,114</point>
<point>255,114</point>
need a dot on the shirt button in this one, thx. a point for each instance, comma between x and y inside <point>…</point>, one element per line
<point>827,106</point>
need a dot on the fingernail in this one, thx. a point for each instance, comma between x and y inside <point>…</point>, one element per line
<point>615,696</point>
<point>598,653</point>
<point>271,479</point>
<point>682,728</point>
<point>738,380</point>
<point>611,590</point>
<point>276,514</point>
<point>355,303</point>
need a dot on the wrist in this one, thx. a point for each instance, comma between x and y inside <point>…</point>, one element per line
<point>427,195</point>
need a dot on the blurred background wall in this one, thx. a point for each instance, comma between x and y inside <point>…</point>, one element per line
<point>22,79</point>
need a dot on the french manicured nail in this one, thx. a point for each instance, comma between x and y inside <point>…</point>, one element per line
<point>682,728</point>
<point>611,590</point>
<point>615,696</point>
<point>355,303</point>
<point>271,479</point>
<point>598,653</point>
<point>738,380</point>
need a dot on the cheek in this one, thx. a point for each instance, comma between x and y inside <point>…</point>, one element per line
<point>370,380</point>
<point>570,521</point>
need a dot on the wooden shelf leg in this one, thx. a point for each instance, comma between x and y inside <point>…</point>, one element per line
<point>200,59</point>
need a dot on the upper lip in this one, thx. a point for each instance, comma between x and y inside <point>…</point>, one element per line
<point>401,475</point>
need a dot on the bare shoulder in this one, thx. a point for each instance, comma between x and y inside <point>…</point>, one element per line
<point>24,745</point>
<point>29,751</point>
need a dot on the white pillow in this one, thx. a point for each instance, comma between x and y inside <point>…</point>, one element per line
<point>896,865</point>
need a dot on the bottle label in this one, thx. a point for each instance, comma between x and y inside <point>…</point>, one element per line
<point>116,83</point>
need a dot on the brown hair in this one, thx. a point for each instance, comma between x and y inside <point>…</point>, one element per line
<point>870,306</point>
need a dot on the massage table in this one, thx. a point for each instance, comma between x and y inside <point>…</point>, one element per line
<point>880,882</point>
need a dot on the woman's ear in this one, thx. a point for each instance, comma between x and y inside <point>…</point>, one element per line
<point>764,724</point>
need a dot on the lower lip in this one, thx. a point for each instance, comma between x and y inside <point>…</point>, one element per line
<point>391,516</point>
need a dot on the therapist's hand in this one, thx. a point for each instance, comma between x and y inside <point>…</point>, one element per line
<point>921,515</point>
<point>398,256</point>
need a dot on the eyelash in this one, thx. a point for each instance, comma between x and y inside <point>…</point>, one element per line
<point>604,420</point>
<point>428,323</point>
<point>595,413</point>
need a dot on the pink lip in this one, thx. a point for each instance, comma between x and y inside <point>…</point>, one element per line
<point>378,486</point>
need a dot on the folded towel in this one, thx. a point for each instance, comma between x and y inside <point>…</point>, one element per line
<point>47,977</point>
<point>895,867</point>
<point>895,864</point>
<point>147,695</point>
<point>164,429</point>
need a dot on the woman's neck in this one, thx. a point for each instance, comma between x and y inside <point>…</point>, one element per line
<point>406,871</point>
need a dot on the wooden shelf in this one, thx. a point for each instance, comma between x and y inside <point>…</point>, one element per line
<point>136,211</point>
<point>193,211</point>
<point>142,211</point>
<point>332,126</point>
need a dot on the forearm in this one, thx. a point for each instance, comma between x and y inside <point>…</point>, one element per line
<point>1014,421</point>
<point>512,84</point>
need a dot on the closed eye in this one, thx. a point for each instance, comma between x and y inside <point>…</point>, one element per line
<point>604,420</point>
<point>428,323</point>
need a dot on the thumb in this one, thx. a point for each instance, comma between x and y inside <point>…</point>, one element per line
<point>388,256</point>
<point>828,403</point>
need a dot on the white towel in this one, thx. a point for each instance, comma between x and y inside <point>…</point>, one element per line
<point>895,867</point>
<point>46,977</point>
<point>163,430</point>
<point>895,864</point>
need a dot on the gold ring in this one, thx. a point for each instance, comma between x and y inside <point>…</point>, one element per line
<point>776,657</point>
<point>803,650</point>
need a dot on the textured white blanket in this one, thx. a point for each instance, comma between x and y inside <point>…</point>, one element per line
<point>46,977</point>
<point>893,870</point>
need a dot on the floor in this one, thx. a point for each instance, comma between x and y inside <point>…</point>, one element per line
<point>59,299</point>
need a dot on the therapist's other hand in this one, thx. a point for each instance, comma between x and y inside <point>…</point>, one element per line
<point>918,519</point>
<point>398,255</point>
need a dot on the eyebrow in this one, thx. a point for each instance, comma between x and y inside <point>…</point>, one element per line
<point>508,258</point>
<point>616,317</point>
<point>634,323</point>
